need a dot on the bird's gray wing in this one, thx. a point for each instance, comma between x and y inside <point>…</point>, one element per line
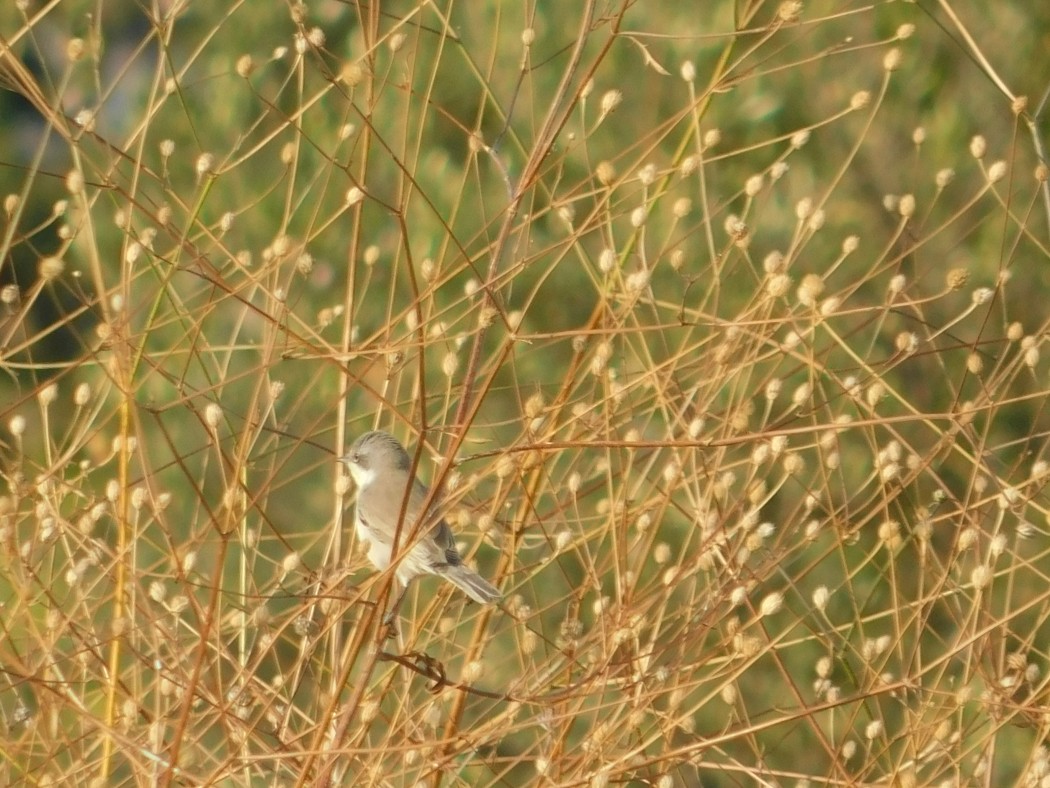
<point>440,546</point>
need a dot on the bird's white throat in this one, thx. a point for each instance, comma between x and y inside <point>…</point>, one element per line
<point>362,476</point>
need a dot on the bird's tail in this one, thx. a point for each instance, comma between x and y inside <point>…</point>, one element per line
<point>472,584</point>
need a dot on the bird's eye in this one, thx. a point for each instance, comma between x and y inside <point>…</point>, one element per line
<point>355,458</point>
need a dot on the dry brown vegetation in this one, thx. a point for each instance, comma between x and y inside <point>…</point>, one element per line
<point>719,327</point>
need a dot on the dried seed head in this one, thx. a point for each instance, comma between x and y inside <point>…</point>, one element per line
<point>638,281</point>
<point>789,11</point>
<point>978,147</point>
<point>505,466</point>
<point>291,562</point>
<point>17,425</point>
<point>800,396</point>
<point>777,285</point>
<point>876,391</point>
<point>982,295</point>
<point>771,604</point>
<point>773,263</point>
<point>139,498</point>
<point>696,426</point>
<point>450,364</point>
<point>830,305</point>
<point>354,195</point>
<point>647,174</point>
<point>75,182</point>
<point>1039,469</point>
<point>981,577</point>
<point>82,394</point>
<point>75,49</point>
<point>48,394</point>
<point>859,100</point>
<point>735,227</point>
<point>534,405</point>
<point>956,278</point>
<point>212,414</point>
<point>157,591</point>
<point>907,342</point>
<point>889,472</point>
<point>997,171</point>
<point>794,464</point>
<point>810,289</point>
<point>85,119</point>
<point>611,99</point>
<point>890,534</point>
<point>351,74</point>
<point>662,553</point>
<point>51,268</point>
<point>821,596</point>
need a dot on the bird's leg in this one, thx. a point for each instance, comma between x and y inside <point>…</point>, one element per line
<point>390,619</point>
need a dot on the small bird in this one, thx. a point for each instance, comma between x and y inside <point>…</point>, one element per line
<point>380,467</point>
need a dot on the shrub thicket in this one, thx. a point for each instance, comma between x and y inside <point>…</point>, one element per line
<point>719,327</point>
